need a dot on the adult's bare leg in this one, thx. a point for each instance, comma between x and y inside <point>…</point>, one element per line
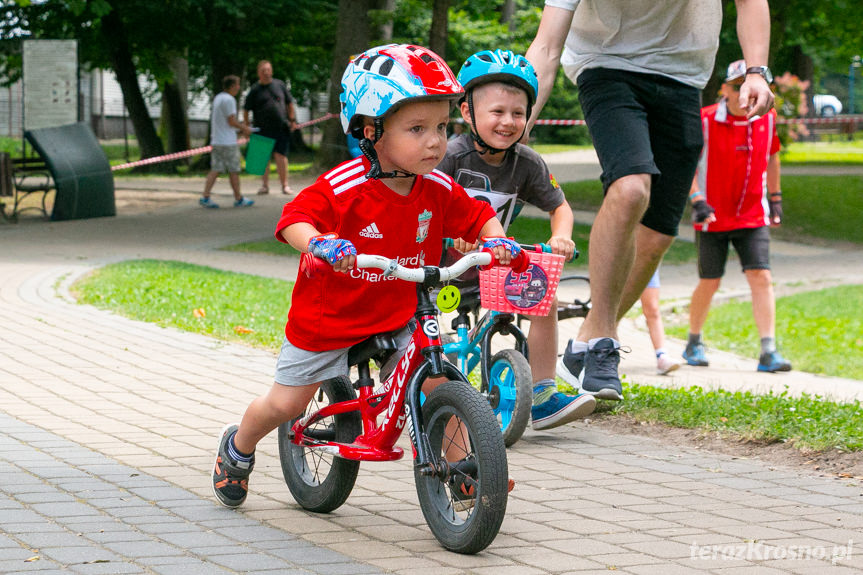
<point>763,301</point>
<point>612,252</point>
<point>650,246</point>
<point>282,169</point>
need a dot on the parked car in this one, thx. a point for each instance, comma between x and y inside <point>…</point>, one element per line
<point>826,105</point>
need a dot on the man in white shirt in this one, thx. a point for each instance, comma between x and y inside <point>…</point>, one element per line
<point>225,156</point>
<point>640,66</point>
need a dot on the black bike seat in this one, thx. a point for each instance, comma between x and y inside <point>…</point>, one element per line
<point>378,347</point>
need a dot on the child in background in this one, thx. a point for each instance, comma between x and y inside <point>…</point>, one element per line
<point>500,89</point>
<point>391,201</point>
<point>653,317</point>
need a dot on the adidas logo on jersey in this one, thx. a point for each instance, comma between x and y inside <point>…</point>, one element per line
<point>371,231</point>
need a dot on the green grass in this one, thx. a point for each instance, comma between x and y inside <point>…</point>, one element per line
<point>555,148</point>
<point>804,201</point>
<point>819,332</point>
<point>827,207</point>
<point>826,152</point>
<point>534,230</point>
<point>524,229</point>
<point>269,245</point>
<point>808,422</point>
<point>169,293</point>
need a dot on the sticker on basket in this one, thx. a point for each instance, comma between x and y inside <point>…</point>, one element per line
<point>526,290</point>
<point>448,299</point>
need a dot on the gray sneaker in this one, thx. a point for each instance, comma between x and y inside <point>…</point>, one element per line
<point>570,366</point>
<point>600,371</point>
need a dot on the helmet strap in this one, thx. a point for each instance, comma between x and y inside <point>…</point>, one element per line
<point>367,147</point>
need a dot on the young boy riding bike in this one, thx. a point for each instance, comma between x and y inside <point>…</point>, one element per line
<point>500,90</point>
<point>392,202</point>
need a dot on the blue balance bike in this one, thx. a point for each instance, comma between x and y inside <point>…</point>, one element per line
<point>505,377</point>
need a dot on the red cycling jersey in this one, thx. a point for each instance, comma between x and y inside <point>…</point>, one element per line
<point>333,310</point>
<point>733,167</point>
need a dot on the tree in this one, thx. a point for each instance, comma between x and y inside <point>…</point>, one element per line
<point>440,20</point>
<point>120,53</point>
<point>352,37</point>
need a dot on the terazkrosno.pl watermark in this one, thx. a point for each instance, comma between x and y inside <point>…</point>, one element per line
<point>758,551</point>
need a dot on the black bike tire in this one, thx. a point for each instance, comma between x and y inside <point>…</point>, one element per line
<point>523,393</point>
<point>474,532</point>
<point>312,492</point>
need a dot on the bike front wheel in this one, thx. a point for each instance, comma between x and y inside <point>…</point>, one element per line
<point>320,481</point>
<point>465,506</point>
<point>510,393</point>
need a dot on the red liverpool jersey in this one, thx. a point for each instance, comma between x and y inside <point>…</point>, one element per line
<point>333,310</point>
<point>733,167</point>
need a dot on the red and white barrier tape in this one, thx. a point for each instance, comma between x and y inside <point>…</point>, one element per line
<point>204,149</point>
<point>560,122</point>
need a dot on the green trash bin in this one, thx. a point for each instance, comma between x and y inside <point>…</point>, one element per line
<point>258,154</point>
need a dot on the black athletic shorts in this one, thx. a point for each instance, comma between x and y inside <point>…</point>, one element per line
<point>645,124</point>
<point>282,138</point>
<point>751,244</point>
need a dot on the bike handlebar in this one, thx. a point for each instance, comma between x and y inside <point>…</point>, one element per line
<point>446,273</point>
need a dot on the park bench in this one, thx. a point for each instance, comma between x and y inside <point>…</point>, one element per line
<point>23,177</point>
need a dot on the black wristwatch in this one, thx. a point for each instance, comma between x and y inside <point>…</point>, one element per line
<point>762,71</point>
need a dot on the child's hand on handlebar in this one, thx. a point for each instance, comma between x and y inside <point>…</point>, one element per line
<point>504,249</point>
<point>463,246</point>
<point>563,246</point>
<point>341,254</point>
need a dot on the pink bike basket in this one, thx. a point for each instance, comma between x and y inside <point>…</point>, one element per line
<point>530,292</point>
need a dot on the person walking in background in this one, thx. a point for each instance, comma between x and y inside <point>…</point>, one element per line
<point>225,156</point>
<point>655,327</point>
<point>273,113</point>
<point>736,199</point>
<point>640,67</point>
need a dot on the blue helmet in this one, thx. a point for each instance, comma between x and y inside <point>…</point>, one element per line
<point>497,66</point>
<point>500,66</point>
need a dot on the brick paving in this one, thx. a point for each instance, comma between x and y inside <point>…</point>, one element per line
<point>108,427</point>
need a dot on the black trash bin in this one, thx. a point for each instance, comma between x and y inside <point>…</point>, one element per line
<point>82,174</point>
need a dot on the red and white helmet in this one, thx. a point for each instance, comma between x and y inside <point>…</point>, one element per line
<point>380,79</point>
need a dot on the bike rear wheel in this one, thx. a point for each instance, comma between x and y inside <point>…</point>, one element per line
<point>321,481</point>
<point>510,393</point>
<point>464,438</point>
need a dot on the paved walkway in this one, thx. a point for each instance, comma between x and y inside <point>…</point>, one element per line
<point>108,426</point>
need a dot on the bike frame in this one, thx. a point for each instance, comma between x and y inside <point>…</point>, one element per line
<point>398,399</point>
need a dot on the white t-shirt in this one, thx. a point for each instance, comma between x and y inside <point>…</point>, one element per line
<point>222,133</point>
<point>674,38</point>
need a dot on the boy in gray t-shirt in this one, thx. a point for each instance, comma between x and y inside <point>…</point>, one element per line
<point>500,89</point>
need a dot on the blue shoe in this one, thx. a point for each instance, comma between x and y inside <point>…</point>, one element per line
<point>244,203</point>
<point>773,362</point>
<point>208,203</point>
<point>558,409</point>
<point>570,366</point>
<point>601,378</point>
<point>694,355</point>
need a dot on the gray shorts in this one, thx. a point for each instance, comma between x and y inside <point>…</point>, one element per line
<point>225,159</point>
<point>298,367</point>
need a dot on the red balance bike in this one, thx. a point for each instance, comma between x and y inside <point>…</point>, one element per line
<point>460,465</point>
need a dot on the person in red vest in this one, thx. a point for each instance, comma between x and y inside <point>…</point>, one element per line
<point>736,199</point>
